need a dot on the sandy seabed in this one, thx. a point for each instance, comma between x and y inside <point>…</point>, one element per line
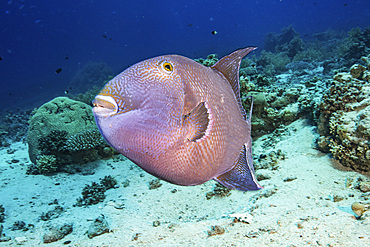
<point>295,208</point>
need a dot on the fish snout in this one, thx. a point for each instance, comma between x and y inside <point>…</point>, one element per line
<point>104,106</point>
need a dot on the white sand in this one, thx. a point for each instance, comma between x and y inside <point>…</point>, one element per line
<point>299,213</point>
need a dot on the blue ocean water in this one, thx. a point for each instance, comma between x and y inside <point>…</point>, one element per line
<point>39,38</point>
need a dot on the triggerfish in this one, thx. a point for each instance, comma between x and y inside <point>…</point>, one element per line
<point>181,121</point>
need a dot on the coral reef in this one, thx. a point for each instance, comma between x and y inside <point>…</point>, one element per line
<point>59,114</point>
<point>272,63</point>
<point>299,65</point>
<point>62,132</point>
<point>282,103</point>
<point>328,48</point>
<point>355,45</point>
<point>344,122</point>
<point>287,42</point>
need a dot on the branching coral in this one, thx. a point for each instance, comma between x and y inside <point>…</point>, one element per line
<point>84,140</point>
<point>47,164</point>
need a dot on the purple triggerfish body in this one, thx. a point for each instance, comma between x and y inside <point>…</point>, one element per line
<point>181,121</point>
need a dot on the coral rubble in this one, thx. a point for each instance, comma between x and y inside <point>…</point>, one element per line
<point>218,191</point>
<point>98,227</point>
<point>57,232</point>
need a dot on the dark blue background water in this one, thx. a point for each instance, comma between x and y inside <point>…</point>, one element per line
<point>37,36</point>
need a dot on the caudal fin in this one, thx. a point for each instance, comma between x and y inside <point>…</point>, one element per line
<point>241,176</point>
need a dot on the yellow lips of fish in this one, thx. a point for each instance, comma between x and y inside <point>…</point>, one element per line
<point>181,121</point>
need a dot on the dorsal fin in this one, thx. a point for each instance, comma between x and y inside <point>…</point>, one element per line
<point>197,122</point>
<point>229,67</point>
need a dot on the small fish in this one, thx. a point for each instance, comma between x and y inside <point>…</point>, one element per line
<point>214,32</point>
<point>58,70</point>
<point>1,58</point>
<point>106,37</point>
<point>66,58</point>
<point>181,121</point>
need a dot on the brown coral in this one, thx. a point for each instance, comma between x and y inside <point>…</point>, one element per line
<point>344,122</point>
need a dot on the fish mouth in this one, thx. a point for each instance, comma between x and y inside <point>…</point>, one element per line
<point>104,106</point>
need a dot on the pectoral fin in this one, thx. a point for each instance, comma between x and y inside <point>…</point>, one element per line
<point>241,176</point>
<point>197,122</point>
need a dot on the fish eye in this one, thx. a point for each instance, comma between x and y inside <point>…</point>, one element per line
<point>168,67</point>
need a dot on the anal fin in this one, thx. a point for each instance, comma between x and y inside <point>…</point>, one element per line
<point>197,122</point>
<point>241,176</point>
